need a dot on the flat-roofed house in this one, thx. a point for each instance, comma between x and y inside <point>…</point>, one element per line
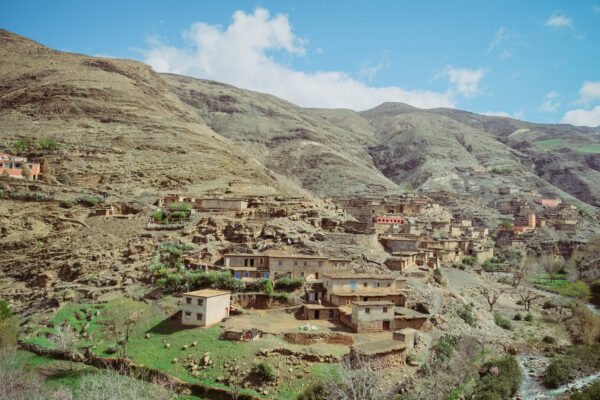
<point>249,266</point>
<point>205,307</point>
<point>346,288</point>
<point>13,166</point>
<point>372,316</point>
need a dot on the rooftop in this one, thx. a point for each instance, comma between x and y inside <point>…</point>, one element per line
<point>207,293</point>
<point>367,292</point>
<point>408,312</point>
<point>374,303</point>
<point>351,275</point>
<point>380,346</point>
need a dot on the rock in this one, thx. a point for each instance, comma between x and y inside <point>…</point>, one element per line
<point>167,345</point>
<point>175,360</point>
<point>147,336</point>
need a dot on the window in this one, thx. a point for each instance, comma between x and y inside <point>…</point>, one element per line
<point>199,316</point>
<point>367,310</point>
<point>378,284</point>
<point>188,300</point>
<point>295,263</point>
<point>188,314</point>
<point>389,284</point>
<point>279,263</point>
<point>200,302</point>
<point>246,274</point>
<point>320,263</point>
<point>385,310</point>
<point>305,263</point>
<point>365,284</point>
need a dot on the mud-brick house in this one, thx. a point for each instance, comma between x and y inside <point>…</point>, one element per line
<point>229,204</point>
<point>276,266</point>
<point>346,288</point>
<point>247,266</point>
<point>205,307</point>
<point>13,166</point>
<point>371,316</point>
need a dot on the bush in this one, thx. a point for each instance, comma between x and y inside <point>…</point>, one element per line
<point>488,265</point>
<point>67,204</point>
<point>314,392</point>
<point>180,207</point>
<point>159,216</point>
<point>444,348</point>
<point>549,339</point>
<point>579,290</point>
<point>469,260</point>
<point>112,349</point>
<point>501,379</point>
<point>518,317</point>
<point>462,267</point>
<point>466,314</point>
<point>288,284</point>
<point>559,372</point>
<point>281,297</point>
<point>265,372</point>
<point>89,200</point>
<point>528,317</point>
<point>549,304</point>
<point>502,321</point>
<point>5,311</point>
<point>591,392</point>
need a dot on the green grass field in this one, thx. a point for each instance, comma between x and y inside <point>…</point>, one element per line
<point>162,329</point>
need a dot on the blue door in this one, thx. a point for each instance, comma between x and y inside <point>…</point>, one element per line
<point>238,275</point>
<point>267,275</point>
<point>353,285</point>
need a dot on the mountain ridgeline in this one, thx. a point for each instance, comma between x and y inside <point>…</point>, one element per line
<point>163,130</point>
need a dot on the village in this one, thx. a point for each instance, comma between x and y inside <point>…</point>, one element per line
<point>308,282</point>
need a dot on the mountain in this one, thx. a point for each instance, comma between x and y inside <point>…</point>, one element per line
<point>143,132</point>
<point>136,134</point>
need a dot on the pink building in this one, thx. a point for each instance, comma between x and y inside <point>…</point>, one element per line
<point>386,219</point>
<point>550,203</point>
<point>13,165</point>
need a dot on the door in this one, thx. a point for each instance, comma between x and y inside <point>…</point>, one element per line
<point>311,296</point>
<point>317,314</point>
<point>353,285</point>
<point>316,275</point>
<point>238,275</point>
<point>267,275</point>
<point>386,325</point>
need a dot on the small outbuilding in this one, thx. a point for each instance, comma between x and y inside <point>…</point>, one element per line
<point>205,307</point>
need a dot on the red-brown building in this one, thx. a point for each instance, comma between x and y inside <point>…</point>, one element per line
<point>13,165</point>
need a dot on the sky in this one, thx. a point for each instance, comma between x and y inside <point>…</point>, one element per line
<point>533,60</point>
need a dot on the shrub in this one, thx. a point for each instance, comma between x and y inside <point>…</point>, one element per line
<point>502,321</point>
<point>159,216</point>
<point>180,207</point>
<point>528,317</point>
<point>559,372</point>
<point>549,304</point>
<point>48,144</point>
<point>444,348</point>
<point>518,317</point>
<point>469,260</point>
<point>112,349</point>
<point>314,392</point>
<point>466,314</point>
<point>488,264</point>
<point>549,339</point>
<point>282,297</point>
<point>5,311</point>
<point>462,267</point>
<point>577,289</point>
<point>288,284</point>
<point>501,379</point>
<point>591,392</point>
<point>265,372</point>
<point>89,200</point>
<point>67,204</point>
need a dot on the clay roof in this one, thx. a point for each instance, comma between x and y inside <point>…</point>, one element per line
<point>207,293</point>
<point>367,292</point>
<point>374,303</point>
<point>351,275</point>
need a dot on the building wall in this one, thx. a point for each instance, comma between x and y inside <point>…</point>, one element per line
<point>376,313</point>
<point>211,310</point>
<point>415,323</point>
<point>223,204</point>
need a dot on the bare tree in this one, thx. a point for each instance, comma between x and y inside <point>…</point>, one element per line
<point>121,321</point>
<point>359,379</point>
<point>528,297</point>
<point>522,271</point>
<point>65,339</point>
<point>491,296</point>
<point>16,383</point>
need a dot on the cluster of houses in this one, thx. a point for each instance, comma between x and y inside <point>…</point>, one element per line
<point>19,167</point>
<point>412,229</point>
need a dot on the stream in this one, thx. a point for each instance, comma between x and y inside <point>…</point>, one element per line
<point>532,389</point>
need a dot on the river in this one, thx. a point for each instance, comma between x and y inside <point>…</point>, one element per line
<point>532,389</point>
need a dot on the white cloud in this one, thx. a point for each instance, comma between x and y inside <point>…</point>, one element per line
<point>465,81</point>
<point>515,115</point>
<point>559,20</point>
<point>496,114</point>
<point>549,103</point>
<point>368,72</point>
<point>582,117</point>
<point>589,91</point>
<point>242,54</point>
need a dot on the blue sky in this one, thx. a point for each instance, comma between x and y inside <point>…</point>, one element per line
<point>534,60</point>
